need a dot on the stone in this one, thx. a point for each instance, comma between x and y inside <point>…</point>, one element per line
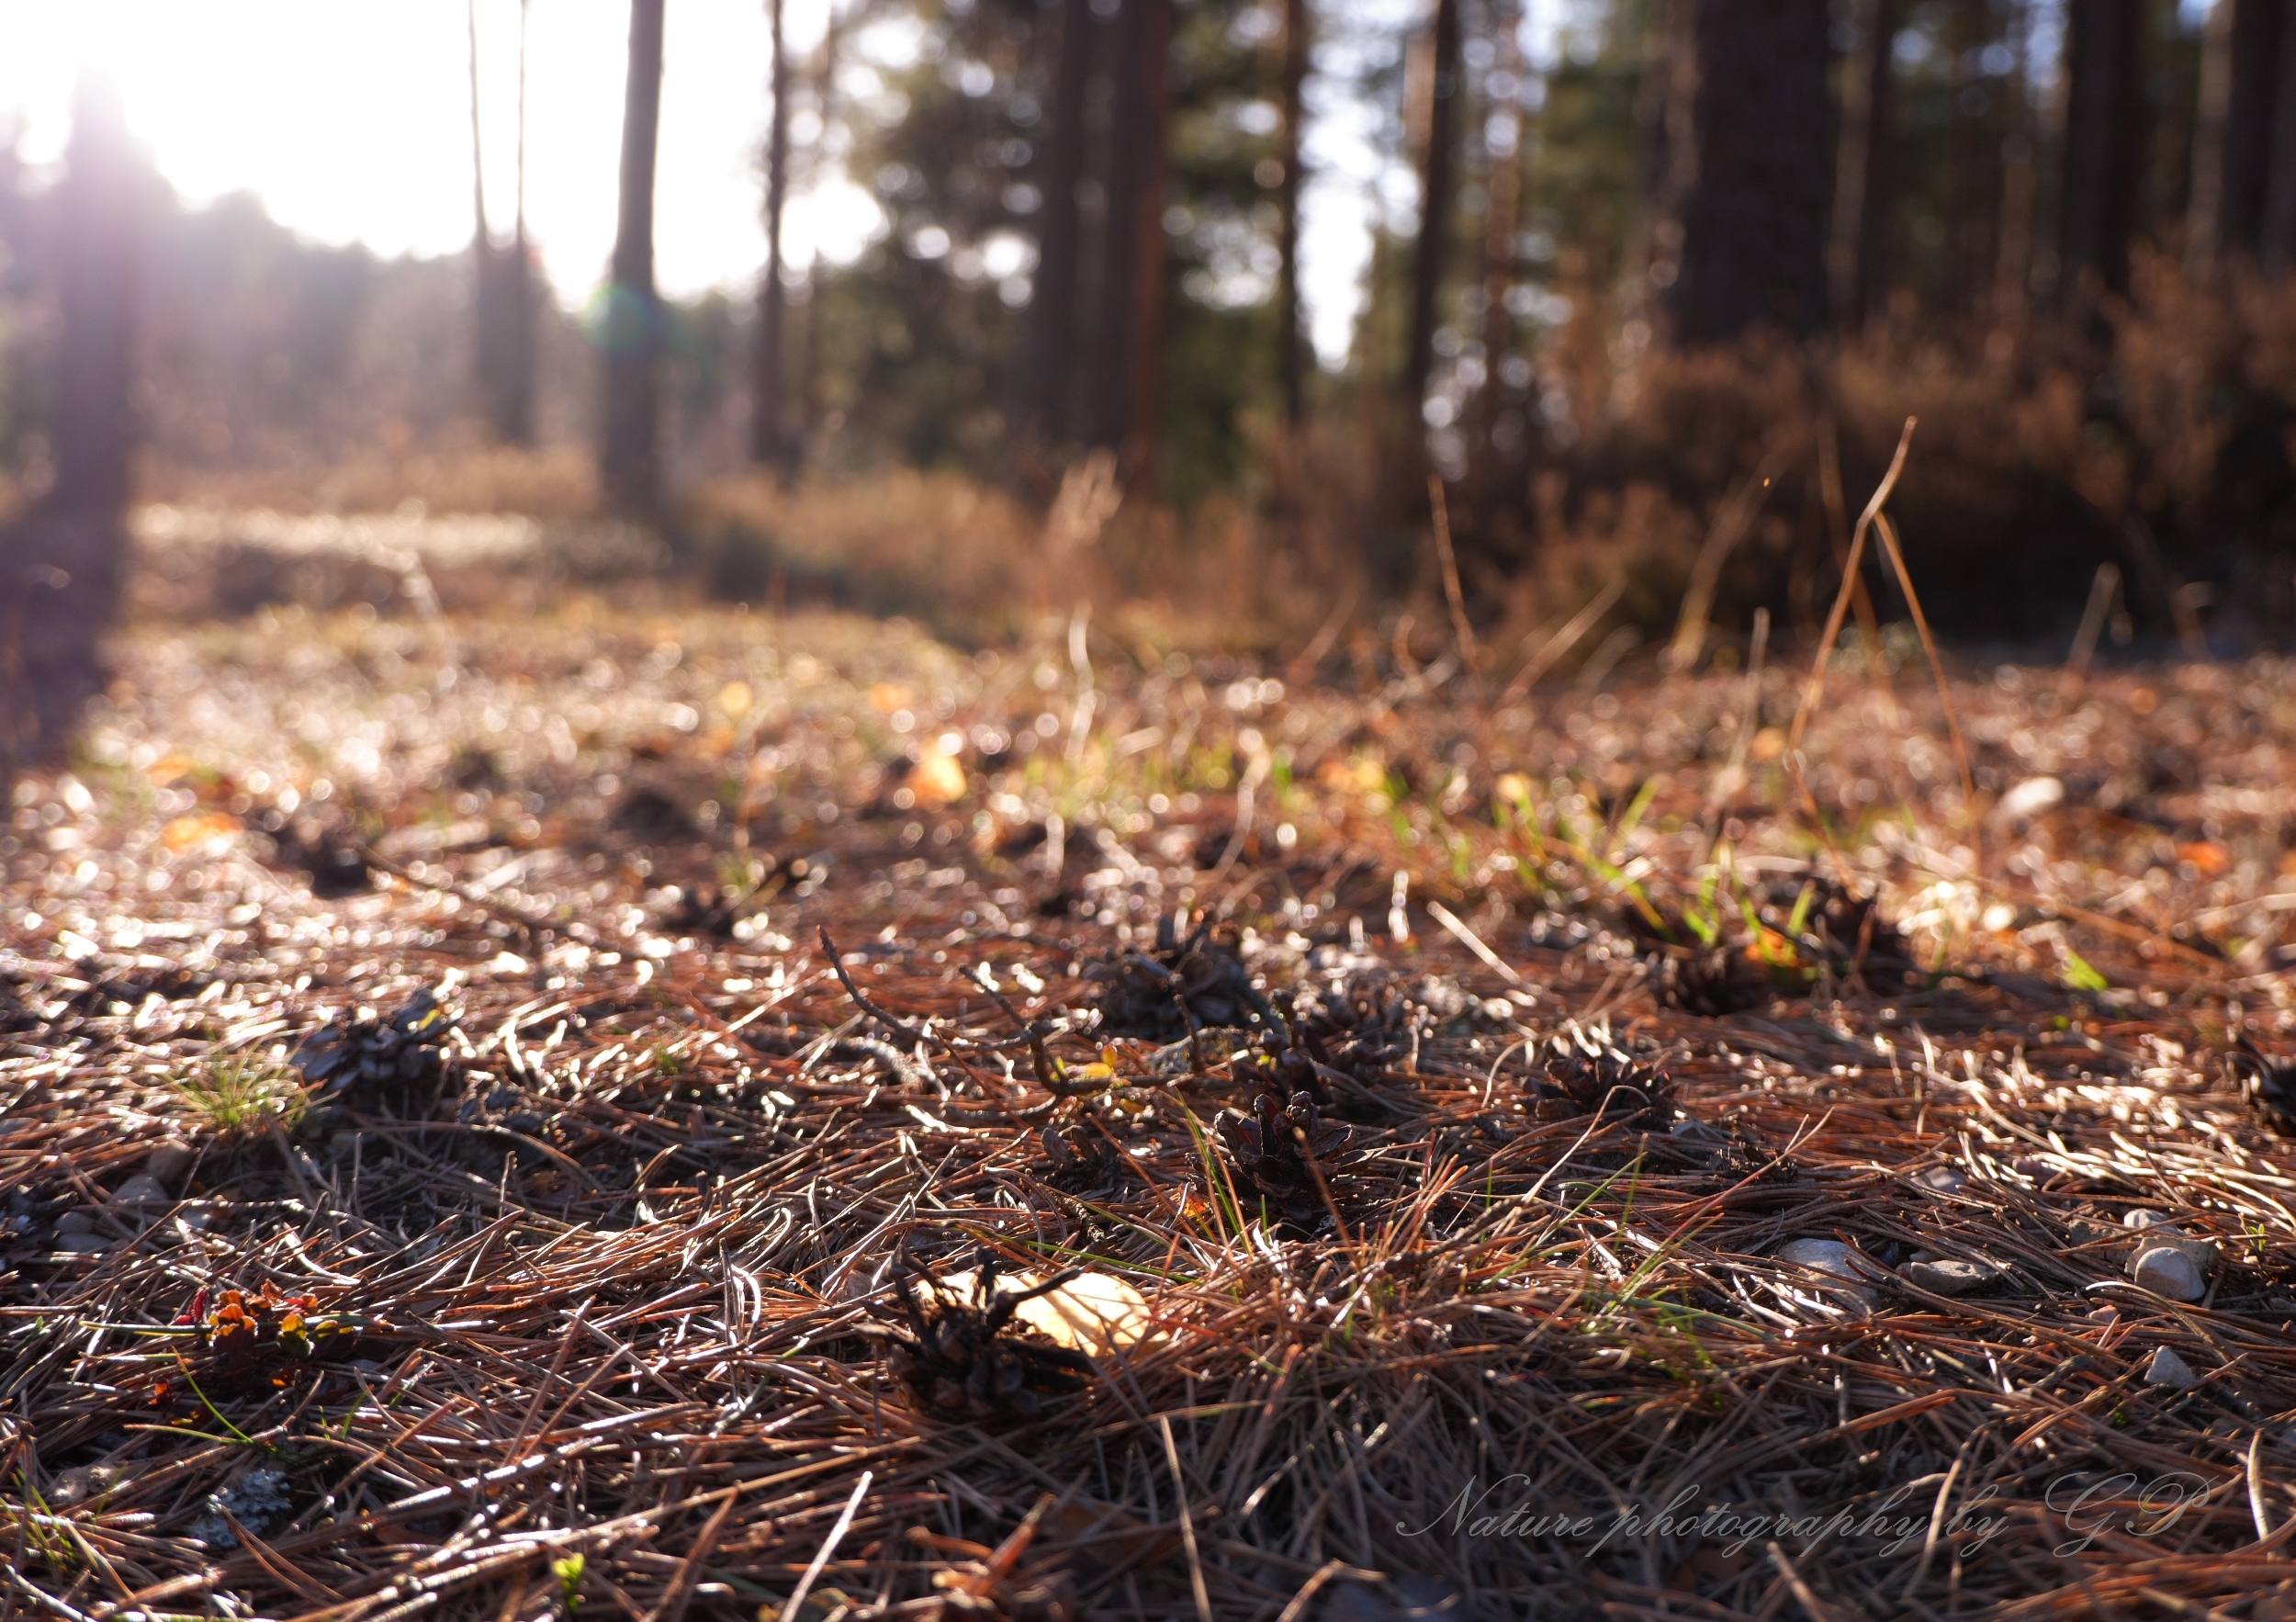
<point>2168,1370</point>
<point>1942,1179</point>
<point>170,1162</point>
<point>2148,1219</point>
<point>142,1189</point>
<point>1825,1256</point>
<point>1949,1276</point>
<point>83,1244</point>
<point>75,1221</point>
<point>2168,1273</point>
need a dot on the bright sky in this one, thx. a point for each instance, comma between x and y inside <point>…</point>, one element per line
<point>350,120</point>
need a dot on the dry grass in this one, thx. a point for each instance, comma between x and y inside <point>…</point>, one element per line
<point>584,1298</point>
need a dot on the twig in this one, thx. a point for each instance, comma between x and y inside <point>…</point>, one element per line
<point>795,1609</point>
<point>1888,533</point>
<point>1460,627</point>
<point>1188,1523</point>
<point>1550,651</point>
<point>1473,942</point>
<point>1816,686</point>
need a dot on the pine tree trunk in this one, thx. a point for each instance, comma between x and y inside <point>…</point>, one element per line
<point>630,468</point>
<point>770,440</point>
<point>1503,136</point>
<point>1290,342</point>
<point>2103,116</point>
<point>514,409</point>
<point>1753,219</point>
<point>1047,374</point>
<point>60,566</point>
<point>1866,195</point>
<point>1132,280</point>
<point>2254,74</point>
<point>2276,224</point>
<point>2012,268</point>
<point>1439,127</point>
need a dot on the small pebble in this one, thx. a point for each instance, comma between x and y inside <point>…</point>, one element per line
<point>83,1244</point>
<point>75,1221</point>
<point>1948,1277</point>
<point>141,1190</point>
<point>2147,1219</point>
<point>1942,1179</point>
<point>170,1161</point>
<point>2168,1273</point>
<point>2170,1370</point>
<point>1826,1255</point>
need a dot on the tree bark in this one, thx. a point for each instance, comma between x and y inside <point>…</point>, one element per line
<point>503,359</point>
<point>1753,219</point>
<point>1865,197</point>
<point>1290,342</point>
<point>2012,268</point>
<point>1440,136</point>
<point>60,566</point>
<point>1047,373</point>
<point>824,107</point>
<point>1502,137</point>
<point>630,329</point>
<point>2103,115</point>
<point>2276,227</point>
<point>771,442</point>
<point>1132,281</point>
<point>2254,76</point>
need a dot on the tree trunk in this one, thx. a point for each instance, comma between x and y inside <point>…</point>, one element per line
<point>1291,343</point>
<point>2012,268</point>
<point>1973,165</point>
<point>824,108</point>
<point>1438,127</point>
<point>60,566</point>
<point>2276,226</point>
<point>1753,220</point>
<point>502,310</point>
<point>514,418</point>
<point>2254,72</point>
<point>1132,280</point>
<point>2103,126</point>
<point>1047,373</point>
<point>1146,368</point>
<point>1503,138</point>
<point>631,331</point>
<point>1865,197</point>
<point>771,442</point>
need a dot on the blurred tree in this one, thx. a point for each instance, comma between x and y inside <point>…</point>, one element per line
<point>1128,383</point>
<point>1865,195</point>
<point>772,443</point>
<point>1502,183</point>
<point>2103,128</point>
<point>1749,126</point>
<point>1290,338</point>
<point>60,566</point>
<point>2276,227</point>
<point>1433,119</point>
<point>502,353</point>
<point>629,324</point>
<point>1046,375</point>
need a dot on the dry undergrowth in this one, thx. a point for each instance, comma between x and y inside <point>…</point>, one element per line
<point>578,1296</point>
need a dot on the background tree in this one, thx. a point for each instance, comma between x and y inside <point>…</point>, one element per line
<point>1044,378</point>
<point>1127,391</point>
<point>1290,338</point>
<point>1750,193</point>
<point>2103,123</point>
<point>502,352</point>
<point>60,566</point>
<point>1436,119</point>
<point>630,328</point>
<point>772,443</point>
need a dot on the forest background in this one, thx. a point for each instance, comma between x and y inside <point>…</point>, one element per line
<point>1653,287</point>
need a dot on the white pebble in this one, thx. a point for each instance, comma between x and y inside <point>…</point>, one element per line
<point>141,1190</point>
<point>1826,1256</point>
<point>2170,1370</point>
<point>2168,1273</point>
<point>83,1244</point>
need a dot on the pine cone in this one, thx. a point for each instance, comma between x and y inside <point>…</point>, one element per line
<point>1268,1150</point>
<point>1615,1086</point>
<point>397,1052</point>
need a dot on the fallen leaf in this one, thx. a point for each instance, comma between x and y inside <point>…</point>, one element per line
<point>938,780</point>
<point>184,833</point>
<point>2207,855</point>
<point>1096,1313</point>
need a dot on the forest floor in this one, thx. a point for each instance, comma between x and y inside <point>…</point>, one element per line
<point>448,1170</point>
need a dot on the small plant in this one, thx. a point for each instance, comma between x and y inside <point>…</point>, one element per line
<point>569,1572</point>
<point>238,1094</point>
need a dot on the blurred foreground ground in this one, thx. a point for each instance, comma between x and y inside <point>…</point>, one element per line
<point>586,1276</point>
